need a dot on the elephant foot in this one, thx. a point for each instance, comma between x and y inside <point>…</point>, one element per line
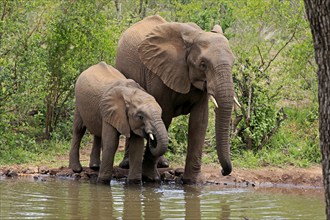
<point>151,179</point>
<point>226,172</point>
<point>150,175</point>
<point>197,180</point>
<point>102,180</point>
<point>133,181</point>
<point>188,182</point>
<point>94,167</point>
<point>77,168</point>
<point>124,164</point>
<point>162,162</point>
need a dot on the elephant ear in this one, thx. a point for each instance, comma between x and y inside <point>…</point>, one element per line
<point>132,84</point>
<point>164,50</point>
<point>217,29</point>
<point>113,109</point>
<point>128,83</point>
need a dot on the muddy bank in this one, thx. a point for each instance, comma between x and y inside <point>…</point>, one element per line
<point>261,177</point>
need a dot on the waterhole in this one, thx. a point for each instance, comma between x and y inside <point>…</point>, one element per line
<point>26,198</point>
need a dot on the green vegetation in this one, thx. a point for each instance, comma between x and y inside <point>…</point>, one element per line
<point>44,45</point>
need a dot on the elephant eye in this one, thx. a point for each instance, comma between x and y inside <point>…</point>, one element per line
<point>202,65</point>
<point>140,117</point>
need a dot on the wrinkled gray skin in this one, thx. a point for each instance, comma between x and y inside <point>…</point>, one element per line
<point>107,105</point>
<point>181,66</point>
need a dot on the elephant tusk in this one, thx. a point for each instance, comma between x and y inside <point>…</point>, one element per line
<point>151,137</point>
<point>236,102</point>
<point>214,101</point>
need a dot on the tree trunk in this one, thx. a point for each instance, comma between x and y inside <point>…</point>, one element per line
<point>318,13</point>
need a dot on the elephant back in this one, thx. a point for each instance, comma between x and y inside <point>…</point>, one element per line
<point>137,32</point>
<point>98,76</point>
<point>127,59</point>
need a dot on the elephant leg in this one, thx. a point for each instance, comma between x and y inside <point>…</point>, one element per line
<point>196,135</point>
<point>94,162</point>
<point>149,167</point>
<point>135,158</point>
<point>125,162</point>
<point>110,141</point>
<point>162,162</point>
<point>78,132</point>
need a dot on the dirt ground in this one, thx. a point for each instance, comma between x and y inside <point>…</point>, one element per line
<point>260,177</point>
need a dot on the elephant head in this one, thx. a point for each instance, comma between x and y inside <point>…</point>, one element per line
<point>128,108</point>
<point>183,55</point>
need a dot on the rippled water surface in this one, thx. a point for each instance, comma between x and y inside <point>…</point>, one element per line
<point>25,198</point>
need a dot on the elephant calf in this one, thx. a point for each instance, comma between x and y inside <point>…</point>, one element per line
<point>107,105</point>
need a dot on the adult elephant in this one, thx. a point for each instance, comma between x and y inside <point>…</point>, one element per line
<point>182,66</point>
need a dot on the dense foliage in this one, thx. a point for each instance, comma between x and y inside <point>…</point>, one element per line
<point>44,45</point>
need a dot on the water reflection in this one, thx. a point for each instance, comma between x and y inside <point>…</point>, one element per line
<point>26,199</point>
<point>192,200</point>
<point>141,202</point>
<point>89,202</point>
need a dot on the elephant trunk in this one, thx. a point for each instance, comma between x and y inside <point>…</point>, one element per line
<point>224,96</point>
<point>158,146</point>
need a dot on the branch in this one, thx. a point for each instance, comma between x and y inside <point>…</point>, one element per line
<point>262,59</point>
<point>61,107</point>
<point>35,28</point>
<point>3,18</point>
<point>242,105</point>
<point>235,123</point>
<point>278,52</point>
<point>277,92</point>
<point>4,11</point>
<point>249,102</point>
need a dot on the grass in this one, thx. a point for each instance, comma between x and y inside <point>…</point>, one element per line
<point>295,144</point>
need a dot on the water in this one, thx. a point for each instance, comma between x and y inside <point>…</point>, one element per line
<point>25,198</point>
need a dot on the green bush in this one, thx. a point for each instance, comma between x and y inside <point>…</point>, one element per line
<point>178,134</point>
<point>44,45</point>
<point>296,143</point>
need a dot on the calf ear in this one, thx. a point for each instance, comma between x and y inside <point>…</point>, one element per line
<point>132,84</point>
<point>113,110</point>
